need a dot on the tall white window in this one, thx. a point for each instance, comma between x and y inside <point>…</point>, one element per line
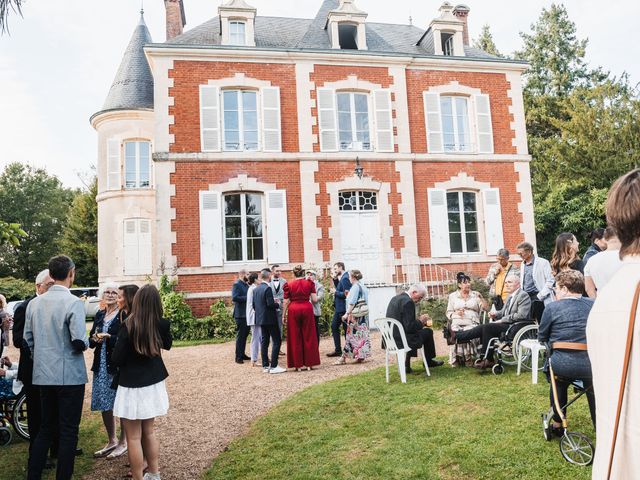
<point>447,43</point>
<point>462,213</point>
<point>240,120</point>
<point>353,121</point>
<point>455,124</point>
<point>237,34</point>
<point>137,246</point>
<point>243,222</point>
<point>137,164</point>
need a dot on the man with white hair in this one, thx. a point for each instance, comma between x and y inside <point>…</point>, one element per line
<point>517,308</point>
<point>25,365</point>
<point>402,307</point>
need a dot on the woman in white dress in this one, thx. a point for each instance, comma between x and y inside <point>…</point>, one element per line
<point>142,394</point>
<point>607,330</point>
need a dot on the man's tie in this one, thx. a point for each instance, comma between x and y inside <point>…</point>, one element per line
<point>507,307</point>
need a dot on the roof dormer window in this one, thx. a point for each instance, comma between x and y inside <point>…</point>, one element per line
<point>237,23</point>
<point>447,43</point>
<point>237,33</point>
<point>348,36</point>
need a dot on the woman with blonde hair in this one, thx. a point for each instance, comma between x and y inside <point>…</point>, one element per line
<point>142,394</point>
<point>565,254</point>
<point>357,344</point>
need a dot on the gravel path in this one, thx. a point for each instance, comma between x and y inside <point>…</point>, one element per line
<point>213,401</point>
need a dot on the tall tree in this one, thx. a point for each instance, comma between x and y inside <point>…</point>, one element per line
<point>39,203</point>
<point>10,233</point>
<point>485,42</point>
<point>80,235</point>
<point>7,7</point>
<point>555,54</point>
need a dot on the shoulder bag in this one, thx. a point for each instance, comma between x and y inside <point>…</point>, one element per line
<point>625,372</point>
<point>360,309</point>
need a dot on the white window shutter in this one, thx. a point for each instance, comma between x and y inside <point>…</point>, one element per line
<point>327,122</point>
<point>210,118</point>
<point>211,235</point>
<point>438,223</point>
<point>483,123</point>
<point>277,231</point>
<point>271,136</point>
<point>494,238</point>
<point>384,120</point>
<point>130,247</point>
<point>433,119</point>
<point>113,164</point>
<point>145,248</point>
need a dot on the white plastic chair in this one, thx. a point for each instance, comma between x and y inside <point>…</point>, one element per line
<point>386,325</point>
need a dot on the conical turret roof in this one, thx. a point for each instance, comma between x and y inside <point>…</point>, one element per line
<point>132,88</point>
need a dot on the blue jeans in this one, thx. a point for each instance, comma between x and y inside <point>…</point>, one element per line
<point>335,329</point>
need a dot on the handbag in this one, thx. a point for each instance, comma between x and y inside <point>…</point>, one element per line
<point>357,343</point>
<point>360,309</point>
<point>625,372</point>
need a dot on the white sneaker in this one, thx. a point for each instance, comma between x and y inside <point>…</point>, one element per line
<point>151,476</point>
<point>278,370</point>
<point>265,370</point>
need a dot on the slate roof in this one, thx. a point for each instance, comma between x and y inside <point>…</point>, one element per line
<point>132,88</point>
<point>298,34</point>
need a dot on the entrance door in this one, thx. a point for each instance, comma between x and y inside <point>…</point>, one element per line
<point>360,232</point>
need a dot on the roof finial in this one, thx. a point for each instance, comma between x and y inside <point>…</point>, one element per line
<point>410,20</point>
<point>142,8</point>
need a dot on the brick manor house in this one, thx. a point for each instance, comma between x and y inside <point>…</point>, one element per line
<point>252,140</point>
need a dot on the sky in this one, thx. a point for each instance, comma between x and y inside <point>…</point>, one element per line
<point>58,62</point>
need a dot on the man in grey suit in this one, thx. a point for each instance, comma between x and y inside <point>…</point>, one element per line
<point>55,332</point>
<point>517,308</point>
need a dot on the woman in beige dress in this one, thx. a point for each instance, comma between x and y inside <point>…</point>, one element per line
<point>606,337</point>
<point>464,309</point>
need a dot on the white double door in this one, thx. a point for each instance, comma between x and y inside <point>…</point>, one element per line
<point>361,243</point>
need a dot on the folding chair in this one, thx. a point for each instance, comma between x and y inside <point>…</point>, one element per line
<point>386,326</point>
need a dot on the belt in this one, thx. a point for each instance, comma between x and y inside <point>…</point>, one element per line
<point>569,345</point>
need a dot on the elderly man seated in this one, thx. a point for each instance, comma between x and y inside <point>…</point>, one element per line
<point>8,372</point>
<point>517,308</point>
<point>402,307</point>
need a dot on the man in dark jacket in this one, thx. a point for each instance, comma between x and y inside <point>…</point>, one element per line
<point>239,297</point>
<point>517,308</point>
<point>25,366</point>
<point>402,307</point>
<point>267,319</point>
<point>342,286</point>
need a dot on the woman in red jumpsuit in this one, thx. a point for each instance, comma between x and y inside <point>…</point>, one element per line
<point>302,340</point>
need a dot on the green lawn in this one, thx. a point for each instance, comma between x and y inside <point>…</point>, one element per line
<point>13,458</point>
<point>456,425</point>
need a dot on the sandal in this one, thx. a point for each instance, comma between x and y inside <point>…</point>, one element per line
<point>104,451</point>
<point>340,361</point>
<point>117,452</point>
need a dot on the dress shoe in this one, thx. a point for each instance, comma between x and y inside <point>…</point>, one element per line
<point>239,360</point>
<point>435,363</point>
<point>245,357</point>
<point>334,354</point>
<point>484,364</point>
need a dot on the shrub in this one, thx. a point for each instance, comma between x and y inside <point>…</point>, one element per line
<point>15,288</point>
<point>221,320</point>
<point>436,308</point>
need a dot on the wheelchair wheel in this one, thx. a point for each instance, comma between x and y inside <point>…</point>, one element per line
<point>497,369</point>
<point>508,356</point>
<point>5,436</point>
<point>530,332</point>
<point>576,448</point>
<point>19,417</point>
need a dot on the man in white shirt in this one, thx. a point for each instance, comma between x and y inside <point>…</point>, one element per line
<point>602,266</point>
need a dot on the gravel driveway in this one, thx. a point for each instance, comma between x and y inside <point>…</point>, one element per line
<point>214,400</point>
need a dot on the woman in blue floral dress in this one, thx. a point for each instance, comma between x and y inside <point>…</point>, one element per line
<point>103,338</point>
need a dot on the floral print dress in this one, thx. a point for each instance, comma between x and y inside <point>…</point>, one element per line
<point>102,395</point>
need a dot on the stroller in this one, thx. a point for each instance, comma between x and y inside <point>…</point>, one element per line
<point>575,447</point>
<point>13,412</point>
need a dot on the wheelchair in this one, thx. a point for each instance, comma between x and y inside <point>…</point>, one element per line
<point>13,413</point>
<point>575,447</point>
<point>505,347</point>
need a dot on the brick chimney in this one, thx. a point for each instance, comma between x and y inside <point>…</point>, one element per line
<point>175,17</point>
<point>462,12</point>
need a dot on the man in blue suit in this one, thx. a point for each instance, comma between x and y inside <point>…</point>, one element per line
<point>239,297</point>
<point>342,284</point>
<point>267,318</point>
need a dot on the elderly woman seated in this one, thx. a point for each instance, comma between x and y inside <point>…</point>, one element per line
<point>8,373</point>
<point>463,311</point>
<point>563,327</point>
